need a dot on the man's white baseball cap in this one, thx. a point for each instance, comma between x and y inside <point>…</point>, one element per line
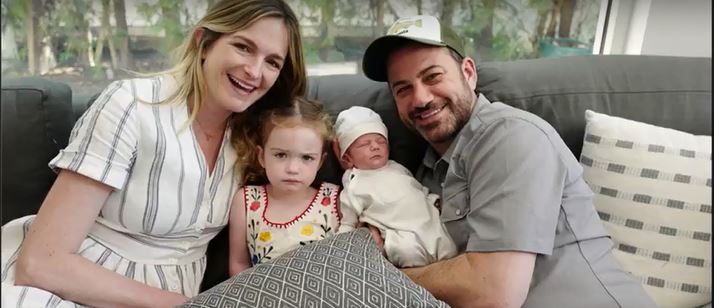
<point>424,29</point>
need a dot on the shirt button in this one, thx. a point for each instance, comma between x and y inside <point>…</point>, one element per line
<point>458,212</point>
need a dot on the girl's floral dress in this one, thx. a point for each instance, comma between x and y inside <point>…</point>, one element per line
<point>268,240</point>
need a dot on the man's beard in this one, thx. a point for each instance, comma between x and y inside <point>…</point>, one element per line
<point>447,129</point>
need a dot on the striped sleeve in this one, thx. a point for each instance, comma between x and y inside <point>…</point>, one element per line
<point>104,140</point>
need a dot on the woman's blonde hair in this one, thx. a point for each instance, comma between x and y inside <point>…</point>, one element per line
<point>301,112</point>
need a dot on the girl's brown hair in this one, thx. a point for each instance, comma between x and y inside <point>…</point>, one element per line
<point>301,112</point>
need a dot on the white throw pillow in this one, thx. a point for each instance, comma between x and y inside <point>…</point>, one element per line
<point>653,192</point>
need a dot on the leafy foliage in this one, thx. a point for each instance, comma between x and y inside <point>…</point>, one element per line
<point>13,13</point>
<point>165,15</point>
<point>71,18</point>
<point>336,30</point>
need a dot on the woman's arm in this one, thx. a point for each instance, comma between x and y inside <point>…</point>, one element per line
<point>48,258</point>
<point>239,258</point>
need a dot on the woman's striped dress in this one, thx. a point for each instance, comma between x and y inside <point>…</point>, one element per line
<point>165,206</point>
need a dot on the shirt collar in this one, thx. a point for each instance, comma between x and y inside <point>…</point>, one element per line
<point>430,158</point>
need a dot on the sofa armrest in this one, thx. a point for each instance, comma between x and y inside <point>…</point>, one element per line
<point>36,122</point>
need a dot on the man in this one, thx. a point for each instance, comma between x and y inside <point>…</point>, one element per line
<point>513,196</point>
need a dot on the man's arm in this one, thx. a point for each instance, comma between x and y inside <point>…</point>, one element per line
<point>515,189</point>
<point>478,279</point>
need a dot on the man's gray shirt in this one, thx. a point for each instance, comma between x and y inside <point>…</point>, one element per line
<point>508,182</point>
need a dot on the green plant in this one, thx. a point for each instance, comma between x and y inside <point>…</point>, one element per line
<point>22,53</point>
<point>71,18</point>
<point>95,73</point>
<point>168,21</point>
<point>504,48</point>
<point>327,25</point>
<point>14,12</point>
<point>310,52</point>
<point>65,57</point>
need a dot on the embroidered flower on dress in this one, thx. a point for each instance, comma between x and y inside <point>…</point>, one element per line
<point>253,194</point>
<point>264,236</point>
<point>307,230</point>
<point>326,193</point>
<point>254,206</point>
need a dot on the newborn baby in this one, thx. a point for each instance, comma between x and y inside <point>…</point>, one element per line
<point>384,194</point>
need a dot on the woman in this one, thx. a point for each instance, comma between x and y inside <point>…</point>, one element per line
<point>148,175</point>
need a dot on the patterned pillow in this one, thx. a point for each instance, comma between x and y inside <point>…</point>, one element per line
<point>346,270</point>
<point>652,190</point>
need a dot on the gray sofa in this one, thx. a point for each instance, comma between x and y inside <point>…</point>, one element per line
<point>674,92</point>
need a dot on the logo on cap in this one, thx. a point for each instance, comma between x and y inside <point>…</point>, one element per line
<point>402,26</point>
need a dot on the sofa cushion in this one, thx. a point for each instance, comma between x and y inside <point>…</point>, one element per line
<point>673,92</point>
<point>36,121</point>
<point>346,270</point>
<point>652,190</point>
<point>668,91</point>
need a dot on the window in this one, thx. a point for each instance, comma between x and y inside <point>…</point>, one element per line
<point>88,43</point>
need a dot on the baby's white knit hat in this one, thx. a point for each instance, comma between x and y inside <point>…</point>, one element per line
<point>355,122</point>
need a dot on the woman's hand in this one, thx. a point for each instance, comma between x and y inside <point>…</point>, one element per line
<point>171,300</point>
<point>336,149</point>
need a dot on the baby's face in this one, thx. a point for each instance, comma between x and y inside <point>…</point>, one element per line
<point>368,152</point>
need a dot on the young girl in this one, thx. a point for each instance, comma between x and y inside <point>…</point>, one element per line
<point>269,220</point>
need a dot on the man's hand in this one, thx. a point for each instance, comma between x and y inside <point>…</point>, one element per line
<point>376,235</point>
